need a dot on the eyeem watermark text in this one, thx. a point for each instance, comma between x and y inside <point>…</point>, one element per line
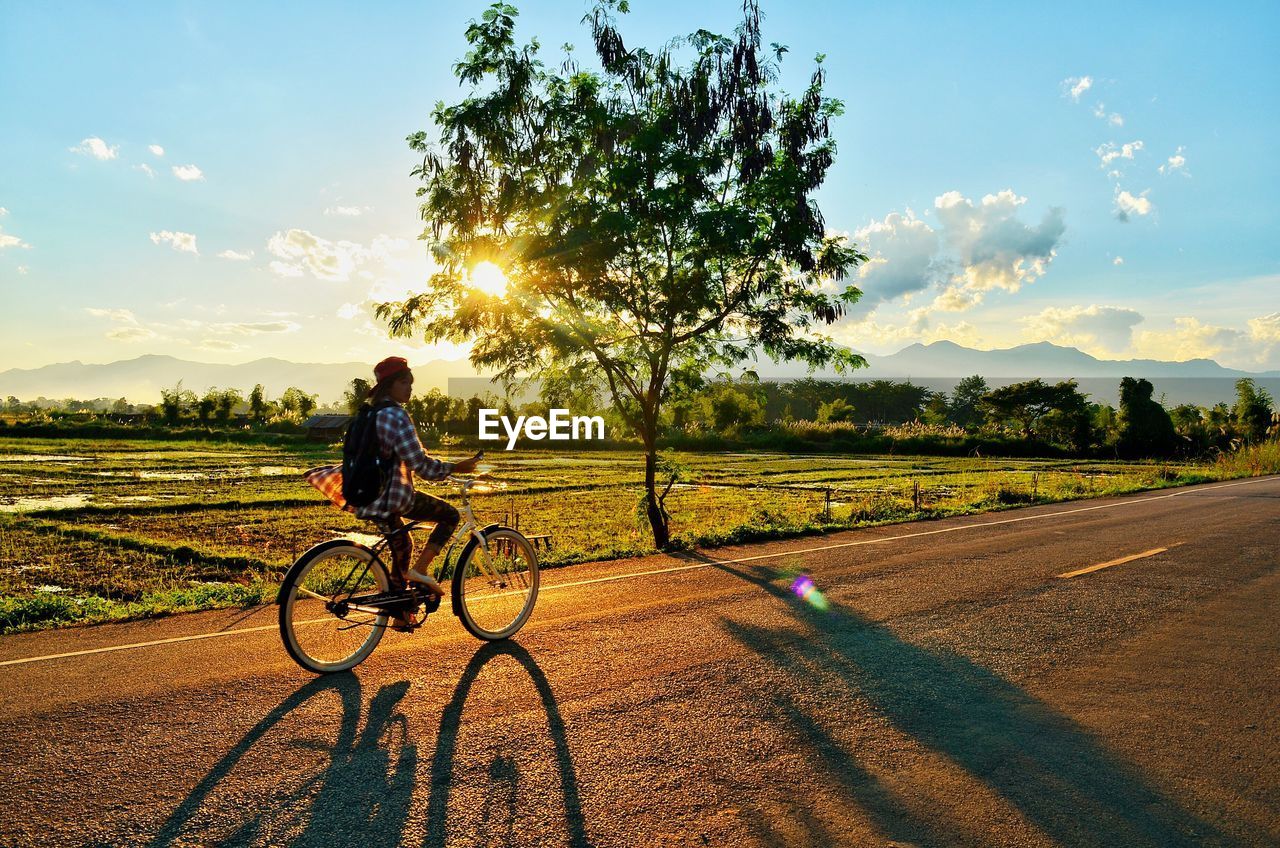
<point>560,427</point>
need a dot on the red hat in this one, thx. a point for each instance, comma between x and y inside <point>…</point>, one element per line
<point>390,367</point>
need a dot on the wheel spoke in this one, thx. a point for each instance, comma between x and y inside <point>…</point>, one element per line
<point>322,640</point>
<point>498,586</point>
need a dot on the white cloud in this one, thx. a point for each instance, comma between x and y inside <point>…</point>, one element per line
<point>156,149</point>
<point>1114,119</point>
<point>285,269</point>
<point>22,269</point>
<point>3,211</point>
<point>347,311</point>
<point>347,211</point>
<point>1266,329</point>
<point>185,242</point>
<point>1127,204</point>
<point>1074,87</point>
<point>97,148</point>
<point>1119,260</point>
<point>957,299</point>
<point>915,326</point>
<point>130,334</point>
<point>1099,330</point>
<point>220,345</point>
<point>1190,338</point>
<point>120,316</point>
<point>326,260</point>
<point>1109,152</point>
<point>188,173</point>
<point>7,240</point>
<point>236,256</point>
<point>146,169</point>
<point>903,251</point>
<point>1177,163</point>
<point>994,248</point>
<point>254,328</point>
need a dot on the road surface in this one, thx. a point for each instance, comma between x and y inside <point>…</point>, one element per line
<point>957,689</point>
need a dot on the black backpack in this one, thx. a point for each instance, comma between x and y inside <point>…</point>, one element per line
<point>364,471</point>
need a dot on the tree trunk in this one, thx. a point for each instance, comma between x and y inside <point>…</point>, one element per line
<point>657,519</point>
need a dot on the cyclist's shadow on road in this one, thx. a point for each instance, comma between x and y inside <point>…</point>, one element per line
<point>1055,772</point>
<point>355,785</point>
<point>359,782</point>
<point>503,771</point>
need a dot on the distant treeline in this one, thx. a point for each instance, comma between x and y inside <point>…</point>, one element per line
<point>1022,418</point>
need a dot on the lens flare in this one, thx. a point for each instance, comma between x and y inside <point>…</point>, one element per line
<point>805,589</point>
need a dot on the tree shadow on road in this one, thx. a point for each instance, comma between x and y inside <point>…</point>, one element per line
<point>1053,771</point>
<point>496,820</point>
<point>362,792</point>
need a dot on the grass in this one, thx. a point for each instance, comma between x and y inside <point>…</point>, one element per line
<point>101,530</point>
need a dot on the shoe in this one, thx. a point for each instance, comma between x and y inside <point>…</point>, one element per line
<point>427,582</point>
<point>403,623</point>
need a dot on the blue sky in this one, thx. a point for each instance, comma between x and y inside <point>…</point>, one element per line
<point>988,155</point>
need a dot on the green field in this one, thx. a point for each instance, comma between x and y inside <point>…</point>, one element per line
<point>102,530</point>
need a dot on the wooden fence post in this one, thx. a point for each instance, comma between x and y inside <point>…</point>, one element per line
<point>1035,484</point>
<point>827,507</point>
<point>915,494</point>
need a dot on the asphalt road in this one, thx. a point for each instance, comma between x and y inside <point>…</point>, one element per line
<point>954,691</point>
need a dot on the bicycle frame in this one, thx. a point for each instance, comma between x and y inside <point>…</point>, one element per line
<point>468,528</point>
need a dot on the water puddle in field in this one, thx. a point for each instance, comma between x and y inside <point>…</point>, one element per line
<point>41,457</point>
<point>222,474</point>
<point>33,504</point>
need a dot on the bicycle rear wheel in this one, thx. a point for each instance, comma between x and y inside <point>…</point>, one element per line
<point>319,628</point>
<point>495,587</point>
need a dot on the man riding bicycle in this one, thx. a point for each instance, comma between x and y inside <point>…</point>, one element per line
<point>402,451</point>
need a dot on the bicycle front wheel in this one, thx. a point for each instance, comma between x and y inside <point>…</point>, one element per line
<point>319,627</point>
<point>495,586</point>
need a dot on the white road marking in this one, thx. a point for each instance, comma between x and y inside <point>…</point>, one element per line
<point>708,564</point>
<point>1121,561</point>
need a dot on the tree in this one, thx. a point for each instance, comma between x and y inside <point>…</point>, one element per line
<point>355,396</point>
<point>1252,412</point>
<point>837,409</point>
<point>226,402</point>
<point>653,219</point>
<point>121,405</point>
<point>1057,413</point>
<point>257,403</point>
<point>206,405</point>
<point>965,408</point>
<point>176,402</point>
<point>297,403</point>
<point>1144,425</point>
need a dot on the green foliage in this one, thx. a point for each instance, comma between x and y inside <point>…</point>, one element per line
<point>1145,428</point>
<point>965,408</point>
<point>1252,412</point>
<point>1057,413</point>
<point>838,409</point>
<point>655,218</point>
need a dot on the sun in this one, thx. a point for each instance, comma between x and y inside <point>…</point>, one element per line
<point>488,278</point>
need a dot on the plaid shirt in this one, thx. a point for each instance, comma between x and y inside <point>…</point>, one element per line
<point>398,439</point>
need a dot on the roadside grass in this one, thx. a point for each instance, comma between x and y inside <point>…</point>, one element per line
<point>107,530</point>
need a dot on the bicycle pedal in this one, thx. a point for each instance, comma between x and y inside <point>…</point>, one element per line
<point>430,605</point>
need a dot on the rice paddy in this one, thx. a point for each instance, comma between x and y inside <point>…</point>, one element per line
<point>101,530</point>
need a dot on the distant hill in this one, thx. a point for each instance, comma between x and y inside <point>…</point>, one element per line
<point>937,365</point>
<point>941,364</point>
<point>140,380</point>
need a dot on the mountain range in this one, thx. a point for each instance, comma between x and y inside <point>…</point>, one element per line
<point>937,365</point>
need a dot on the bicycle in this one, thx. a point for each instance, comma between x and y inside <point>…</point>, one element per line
<point>335,600</point>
